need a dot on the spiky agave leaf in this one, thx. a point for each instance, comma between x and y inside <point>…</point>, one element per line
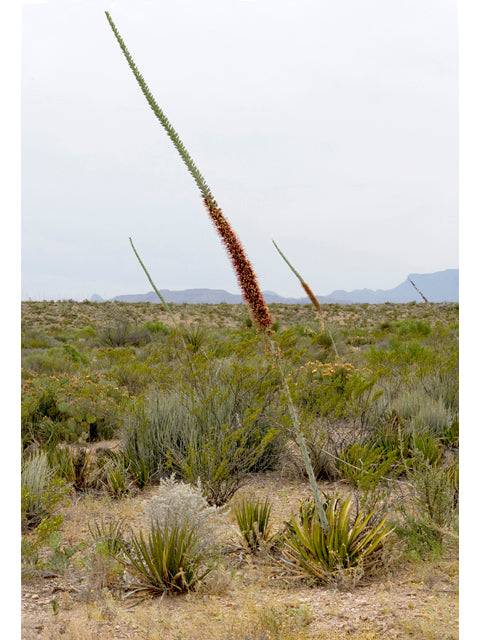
<point>246,276</point>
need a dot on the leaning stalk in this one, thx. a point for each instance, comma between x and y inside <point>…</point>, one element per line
<point>242,266</point>
<point>313,298</point>
<point>160,297</point>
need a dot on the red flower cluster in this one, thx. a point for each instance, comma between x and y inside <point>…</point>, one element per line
<point>243,269</point>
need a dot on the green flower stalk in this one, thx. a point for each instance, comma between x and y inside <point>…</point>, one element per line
<point>246,276</point>
<point>159,295</point>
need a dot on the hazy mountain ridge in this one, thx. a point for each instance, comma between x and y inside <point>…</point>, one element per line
<point>440,286</point>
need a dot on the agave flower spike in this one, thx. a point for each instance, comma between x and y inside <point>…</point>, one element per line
<point>310,294</point>
<point>246,276</point>
<point>244,272</point>
<point>306,288</point>
<point>417,290</point>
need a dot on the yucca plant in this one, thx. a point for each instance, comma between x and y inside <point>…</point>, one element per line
<point>40,490</point>
<point>242,266</point>
<point>351,541</point>
<point>168,560</point>
<point>253,520</point>
<point>115,476</point>
<point>109,535</point>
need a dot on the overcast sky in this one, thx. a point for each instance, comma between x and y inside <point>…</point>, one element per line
<point>328,125</point>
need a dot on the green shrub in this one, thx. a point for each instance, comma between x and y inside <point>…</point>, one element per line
<point>352,542</point>
<point>216,430</point>
<point>432,516</point>
<point>134,376</point>
<point>413,328</point>
<point>49,362</point>
<point>253,520</point>
<point>157,327</point>
<point>81,407</point>
<point>366,466</point>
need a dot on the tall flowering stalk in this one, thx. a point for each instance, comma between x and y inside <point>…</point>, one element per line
<point>311,295</point>
<point>313,298</point>
<point>246,276</point>
<point>149,277</point>
<point>417,289</point>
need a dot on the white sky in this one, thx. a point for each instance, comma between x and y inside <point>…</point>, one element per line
<point>328,125</point>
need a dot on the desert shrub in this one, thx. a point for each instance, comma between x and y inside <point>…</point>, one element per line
<point>81,407</point>
<point>218,429</point>
<point>428,446</point>
<point>422,412</point>
<point>366,466</point>
<point>253,520</point>
<point>34,542</point>
<point>49,361</point>
<point>76,465</point>
<point>40,490</point>
<point>352,544</point>
<point>33,339</point>
<point>157,327</point>
<point>337,390</point>
<point>432,514</point>
<point>122,333</point>
<point>148,434</point>
<point>433,417</point>
<point>323,447</point>
<point>134,376</point>
<point>412,327</point>
<point>43,422</point>
<point>402,358</point>
<point>167,560</point>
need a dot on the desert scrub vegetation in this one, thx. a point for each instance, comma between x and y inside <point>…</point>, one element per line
<point>201,400</point>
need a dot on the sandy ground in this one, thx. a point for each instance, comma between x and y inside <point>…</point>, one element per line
<point>249,600</point>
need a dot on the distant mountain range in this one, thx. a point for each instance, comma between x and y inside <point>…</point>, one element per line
<point>441,286</point>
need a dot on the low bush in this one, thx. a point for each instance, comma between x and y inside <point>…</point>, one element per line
<point>431,516</point>
<point>122,333</point>
<point>366,466</point>
<point>216,430</point>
